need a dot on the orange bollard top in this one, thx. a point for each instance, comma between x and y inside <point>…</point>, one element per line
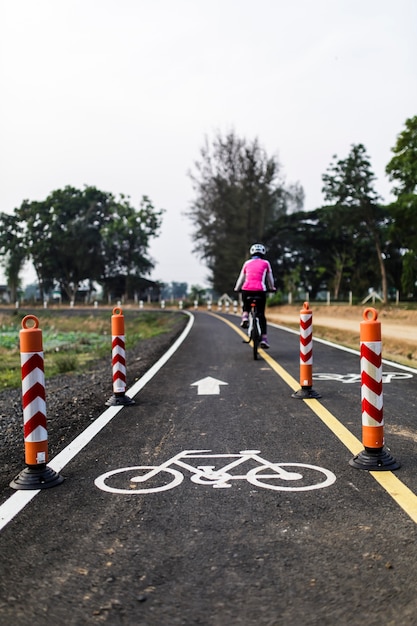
<point>117,322</point>
<point>30,336</point>
<point>306,309</point>
<point>370,328</point>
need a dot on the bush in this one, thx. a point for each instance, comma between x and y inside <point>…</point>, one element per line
<point>275,299</point>
<point>65,363</point>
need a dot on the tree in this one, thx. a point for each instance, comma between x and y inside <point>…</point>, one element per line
<point>403,166</point>
<point>348,186</point>
<point>402,170</point>
<point>179,290</point>
<point>197,293</point>
<point>62,236</point>
<point>298,248</point>
<point>125,241</point>
<point>12,250</point>
<point>239,191</point>
<point>86,235</point>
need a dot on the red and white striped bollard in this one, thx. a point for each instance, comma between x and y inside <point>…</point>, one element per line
<point>119,396</point>
<point>36,475</point>
<point>374,456</point>
<point>306,355</point>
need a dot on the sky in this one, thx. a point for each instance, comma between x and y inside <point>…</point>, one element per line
<point>122,94</point>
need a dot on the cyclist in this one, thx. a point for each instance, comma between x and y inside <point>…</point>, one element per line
<point>255,279</point>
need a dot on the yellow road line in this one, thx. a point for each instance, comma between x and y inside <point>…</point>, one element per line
<point>402,495</point>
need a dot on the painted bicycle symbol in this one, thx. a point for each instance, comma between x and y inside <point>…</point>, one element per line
<point>143,479</point>
<point>387,377</point>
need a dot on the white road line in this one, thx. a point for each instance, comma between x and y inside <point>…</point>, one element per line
<point>11,507</point>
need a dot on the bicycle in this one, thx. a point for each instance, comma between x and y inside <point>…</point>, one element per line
<point>264,474</point>
<point>254,327</point>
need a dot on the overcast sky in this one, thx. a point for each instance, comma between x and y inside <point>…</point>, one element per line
<point>120,94</point>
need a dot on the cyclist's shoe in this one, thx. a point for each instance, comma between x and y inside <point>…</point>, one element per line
<point>264,342</point>
<point>245,320</point>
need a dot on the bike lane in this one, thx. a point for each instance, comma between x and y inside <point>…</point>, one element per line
<point>199,554</point>
<point>336,381</point>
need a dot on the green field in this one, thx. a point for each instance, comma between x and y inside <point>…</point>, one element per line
<point>71,342</point>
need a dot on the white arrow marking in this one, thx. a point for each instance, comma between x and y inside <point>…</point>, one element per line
<point>208,386</point>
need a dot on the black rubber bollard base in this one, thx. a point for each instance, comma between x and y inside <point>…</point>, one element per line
<point>121,400</point>
<point>305,393</point>
<point>378,460</point>
<point>36,477</point>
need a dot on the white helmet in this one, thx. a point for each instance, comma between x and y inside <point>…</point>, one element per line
<point>257,248</point>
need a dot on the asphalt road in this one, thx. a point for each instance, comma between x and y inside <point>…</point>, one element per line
<point>254,544</point>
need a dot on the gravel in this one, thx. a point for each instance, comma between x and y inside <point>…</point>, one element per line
<point>73,401</point>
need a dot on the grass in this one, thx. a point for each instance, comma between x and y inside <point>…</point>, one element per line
<point>72,342</point>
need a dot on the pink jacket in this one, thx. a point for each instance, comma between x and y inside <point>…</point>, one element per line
<point>256,275</point>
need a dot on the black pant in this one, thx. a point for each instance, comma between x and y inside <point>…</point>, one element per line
<point>260,296</point>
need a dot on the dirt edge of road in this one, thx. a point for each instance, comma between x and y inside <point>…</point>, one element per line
<point>341,324</point>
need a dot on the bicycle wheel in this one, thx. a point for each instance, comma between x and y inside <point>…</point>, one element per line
<point>129,480</point>
<point>307,479</point>
<point>255,345</point>
<point>256,338</point>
